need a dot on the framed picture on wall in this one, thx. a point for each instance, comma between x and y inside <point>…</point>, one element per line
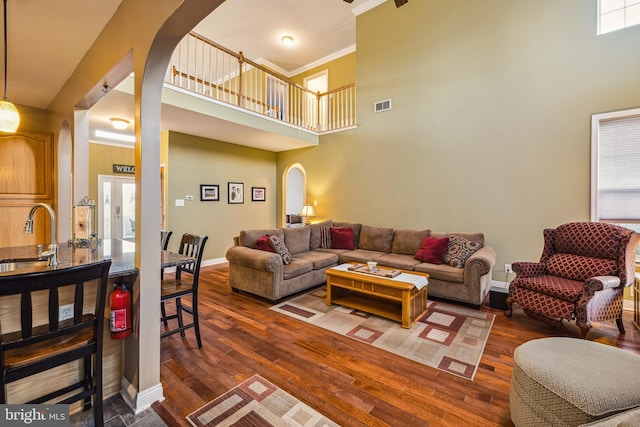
<point>258,194</point>
<point>236,192</point>
<point>209,193</point>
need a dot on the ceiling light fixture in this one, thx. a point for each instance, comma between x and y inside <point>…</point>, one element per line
<point>115,136</point>
<point>9,115</point>
<point>119,123</point>
<point>286,40</point>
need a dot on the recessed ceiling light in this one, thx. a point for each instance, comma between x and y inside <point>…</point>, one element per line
<point>287,40</point>
<point>119,123</point>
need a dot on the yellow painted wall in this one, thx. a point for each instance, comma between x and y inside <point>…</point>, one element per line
<point>342,71</point>
<point>194,161</point>
<point>490,126</point>
<point>101,160</point>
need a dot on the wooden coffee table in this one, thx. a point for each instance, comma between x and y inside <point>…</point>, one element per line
<point>391,298</point>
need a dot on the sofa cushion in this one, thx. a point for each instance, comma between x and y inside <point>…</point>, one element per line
<point>442,272</point>
<point>404,262</point>
<point>296,268</point>
<point>474,237</point>
<point>578,267</point>
<point>280,248</point>
<point>375,238</point>
<point>248,237</point>
<point>315,240</point>
<point>591,239</point>
<point>319,259</point>
<point>360,255</point>
<point>297,239</point>
<point>355,227</point>
<point>263,244</point>
<point>332,251</point>
<point>459,250</point>
<point>555,286</point>
<point>408,242</point>
<point>432,250</point>
<point>342,238</point>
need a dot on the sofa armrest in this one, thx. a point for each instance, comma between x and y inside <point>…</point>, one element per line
<point>529,269</point>
<point>477,274</point>
<point>598,283</point>
<point>481,261</point>
<point>255,259</point>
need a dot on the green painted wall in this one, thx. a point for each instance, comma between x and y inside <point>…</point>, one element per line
<point>193,161</point>
<point>490,126</point>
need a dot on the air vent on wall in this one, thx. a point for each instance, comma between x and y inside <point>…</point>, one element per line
<point>381,106</point>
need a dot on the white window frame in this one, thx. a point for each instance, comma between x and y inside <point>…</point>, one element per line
<point>596,121</point>
<point>627,4</point>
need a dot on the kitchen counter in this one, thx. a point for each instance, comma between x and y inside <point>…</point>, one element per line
<point>121,253</point>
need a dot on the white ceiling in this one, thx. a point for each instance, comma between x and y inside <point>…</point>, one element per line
<point>47,39</point>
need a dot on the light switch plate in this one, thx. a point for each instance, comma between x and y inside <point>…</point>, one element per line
<point>179,202</point>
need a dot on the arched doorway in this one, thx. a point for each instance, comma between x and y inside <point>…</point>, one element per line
<point>294,190</point>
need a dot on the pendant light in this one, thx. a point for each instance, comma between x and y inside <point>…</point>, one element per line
<point>9,116</point>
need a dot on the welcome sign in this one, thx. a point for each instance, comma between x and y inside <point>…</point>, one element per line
<point>128,169</point>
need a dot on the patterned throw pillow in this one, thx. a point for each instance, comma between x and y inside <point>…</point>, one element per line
<point>325,238</point>
<point>459,251</point>
<point>263,244</point>
<point>280,248</point>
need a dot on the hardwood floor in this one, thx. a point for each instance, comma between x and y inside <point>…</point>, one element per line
<point>352,383</point>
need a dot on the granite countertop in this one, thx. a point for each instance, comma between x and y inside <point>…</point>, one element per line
<point>121,253</point>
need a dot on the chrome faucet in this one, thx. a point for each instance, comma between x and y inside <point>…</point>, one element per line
<point>52,253</point>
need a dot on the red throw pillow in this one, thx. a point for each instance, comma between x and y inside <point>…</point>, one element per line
<point>432,250</point>
<point>263,244</point>
<point>341,238</point>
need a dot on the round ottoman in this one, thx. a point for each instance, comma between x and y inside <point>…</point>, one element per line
<point>571,382</point>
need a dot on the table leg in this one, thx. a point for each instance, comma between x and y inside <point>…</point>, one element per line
<point>406,309</point>
<point>328,300</point>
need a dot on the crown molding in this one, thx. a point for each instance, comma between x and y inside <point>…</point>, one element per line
<point>335,55</point>
<point>366,6</point>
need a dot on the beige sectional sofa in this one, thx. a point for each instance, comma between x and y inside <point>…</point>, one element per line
<point>264,273</point>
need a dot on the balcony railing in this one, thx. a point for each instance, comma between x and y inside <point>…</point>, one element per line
<point>204,67</point>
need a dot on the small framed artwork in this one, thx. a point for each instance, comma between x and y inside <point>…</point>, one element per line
<point>258,194</point>
<point>236,192</point>
<point>209,193</point>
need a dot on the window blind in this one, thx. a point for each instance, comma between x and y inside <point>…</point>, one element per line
<point>619,169</point>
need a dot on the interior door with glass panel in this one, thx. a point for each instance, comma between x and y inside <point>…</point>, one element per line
<point>116,207</point>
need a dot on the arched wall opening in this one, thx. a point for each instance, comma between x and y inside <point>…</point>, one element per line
<point>294,190</point>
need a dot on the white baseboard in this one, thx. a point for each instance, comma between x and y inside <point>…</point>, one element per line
<point>138,401</point>
<point>204,263</point>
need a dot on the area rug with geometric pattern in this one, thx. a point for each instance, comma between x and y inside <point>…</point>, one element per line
<point>447,337</point>
<point>257,403</point>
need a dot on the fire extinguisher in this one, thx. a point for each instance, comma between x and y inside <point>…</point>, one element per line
<point>120,324</point>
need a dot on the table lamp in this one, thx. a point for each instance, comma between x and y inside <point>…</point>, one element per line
<point>307,212</point>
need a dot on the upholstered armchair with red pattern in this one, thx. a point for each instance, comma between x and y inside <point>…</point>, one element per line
<point>581,275</point>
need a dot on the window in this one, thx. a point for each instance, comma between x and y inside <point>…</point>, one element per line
<point>617,14</point>
<point>615,168</point>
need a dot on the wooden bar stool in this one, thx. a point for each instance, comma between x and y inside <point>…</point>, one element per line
<point>184,285</point>
<point>34,348</point>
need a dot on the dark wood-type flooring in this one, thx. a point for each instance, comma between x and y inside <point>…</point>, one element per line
<point>350,382</point>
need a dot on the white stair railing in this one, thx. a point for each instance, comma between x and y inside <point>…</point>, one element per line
<point>204,67</point>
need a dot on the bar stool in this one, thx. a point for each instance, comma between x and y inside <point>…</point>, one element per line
<point>165,236</point>
<point>180,286</point>
<point>33,349</point>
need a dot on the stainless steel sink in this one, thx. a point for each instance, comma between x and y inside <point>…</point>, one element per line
<point>23,266</point>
